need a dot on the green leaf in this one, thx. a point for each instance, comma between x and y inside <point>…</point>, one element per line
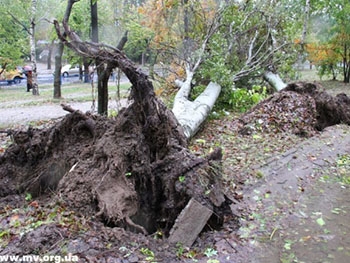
<point>320,221</point>
<point>28,197</point>
<point>4,233</point>
<point>209,252</point>
<point>202,141</point>
<point>336,211</point>
<point>256,136</point>
<point>287,246</point>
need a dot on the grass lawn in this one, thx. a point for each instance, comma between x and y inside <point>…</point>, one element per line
<point>333,87</point>
<point>14,96</point>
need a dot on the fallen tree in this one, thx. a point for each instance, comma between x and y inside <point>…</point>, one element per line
<point>191,114</point>
<point>134,171</point>
<point>253,48</point>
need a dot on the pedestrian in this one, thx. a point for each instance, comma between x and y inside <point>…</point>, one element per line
<point>29,75</point>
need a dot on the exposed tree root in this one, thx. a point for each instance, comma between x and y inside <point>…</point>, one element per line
<point>300,108</point>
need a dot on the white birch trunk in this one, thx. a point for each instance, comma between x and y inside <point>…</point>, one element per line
<point>191,114</point>
<point>35,88</point>
<point>274,80</point>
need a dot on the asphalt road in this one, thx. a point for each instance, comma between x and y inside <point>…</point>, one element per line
<point>42,79</point>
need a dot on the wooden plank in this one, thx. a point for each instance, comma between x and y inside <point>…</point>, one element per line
<point>189,223</point>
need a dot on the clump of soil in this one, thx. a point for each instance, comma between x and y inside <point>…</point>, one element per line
<point>301,108</point>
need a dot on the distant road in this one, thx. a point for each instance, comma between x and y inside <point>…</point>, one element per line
<point>25,114</point>
<point>43,79</point>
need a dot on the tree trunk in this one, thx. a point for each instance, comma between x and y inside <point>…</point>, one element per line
<point>57,75</point>
<point>274,80</point>
<point>94,21</point>
<point>51,47</point>
<point>86,65</point>
<point>191,114</point>
<point>102,82</point>
<point>186,40</point>
<point>102,88</point>
<point>58,56</point>
<point>346,71</point>
<point>306,21</point>
<point>104,71</point>
<point>35,87</point>
<point>301,57</point>
<point>123,41</point>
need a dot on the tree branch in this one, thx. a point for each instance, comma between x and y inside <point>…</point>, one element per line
<point>25,28</point>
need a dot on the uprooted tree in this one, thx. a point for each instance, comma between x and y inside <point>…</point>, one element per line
<point>300,108</point>
<point>134,171</point>
<point>233,50</point>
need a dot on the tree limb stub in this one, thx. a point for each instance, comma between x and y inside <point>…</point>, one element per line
<point>191,114</point>
<point>274,80</point>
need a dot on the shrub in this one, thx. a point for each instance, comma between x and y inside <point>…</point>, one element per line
<point>243,99</point>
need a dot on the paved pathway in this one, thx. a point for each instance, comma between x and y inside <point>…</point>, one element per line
<point>25,115</point>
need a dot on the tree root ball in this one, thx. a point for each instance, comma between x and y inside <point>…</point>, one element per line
<point>129,172</point>
<point>301,108</point>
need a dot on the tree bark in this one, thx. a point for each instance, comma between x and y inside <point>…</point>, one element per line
<point>35,87</point>
<point>191,114</point>
<point>301,56</point>
<point>104,71</point>
<point>306,21</point>
<point>94,21</point>
<point>51,47</point>
<point>102,87</point>
<point>274,80</point>
<point>86,65</point>
<point>58,56</point>
<point>123,41</point>
<point>57,75</point>
<point>102,75</point>
<point>346,65</point>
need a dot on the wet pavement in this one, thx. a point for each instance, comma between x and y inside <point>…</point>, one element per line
<point>302,211</point>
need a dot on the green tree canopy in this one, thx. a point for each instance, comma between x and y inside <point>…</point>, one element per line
<point>13,37</point>
<point>329,38</point>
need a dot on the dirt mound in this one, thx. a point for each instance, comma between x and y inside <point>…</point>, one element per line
<point>301,109</point>
<point>38,158</point>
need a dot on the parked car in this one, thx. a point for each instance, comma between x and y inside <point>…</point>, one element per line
<point>12,76</point>
<point>69,70</point>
